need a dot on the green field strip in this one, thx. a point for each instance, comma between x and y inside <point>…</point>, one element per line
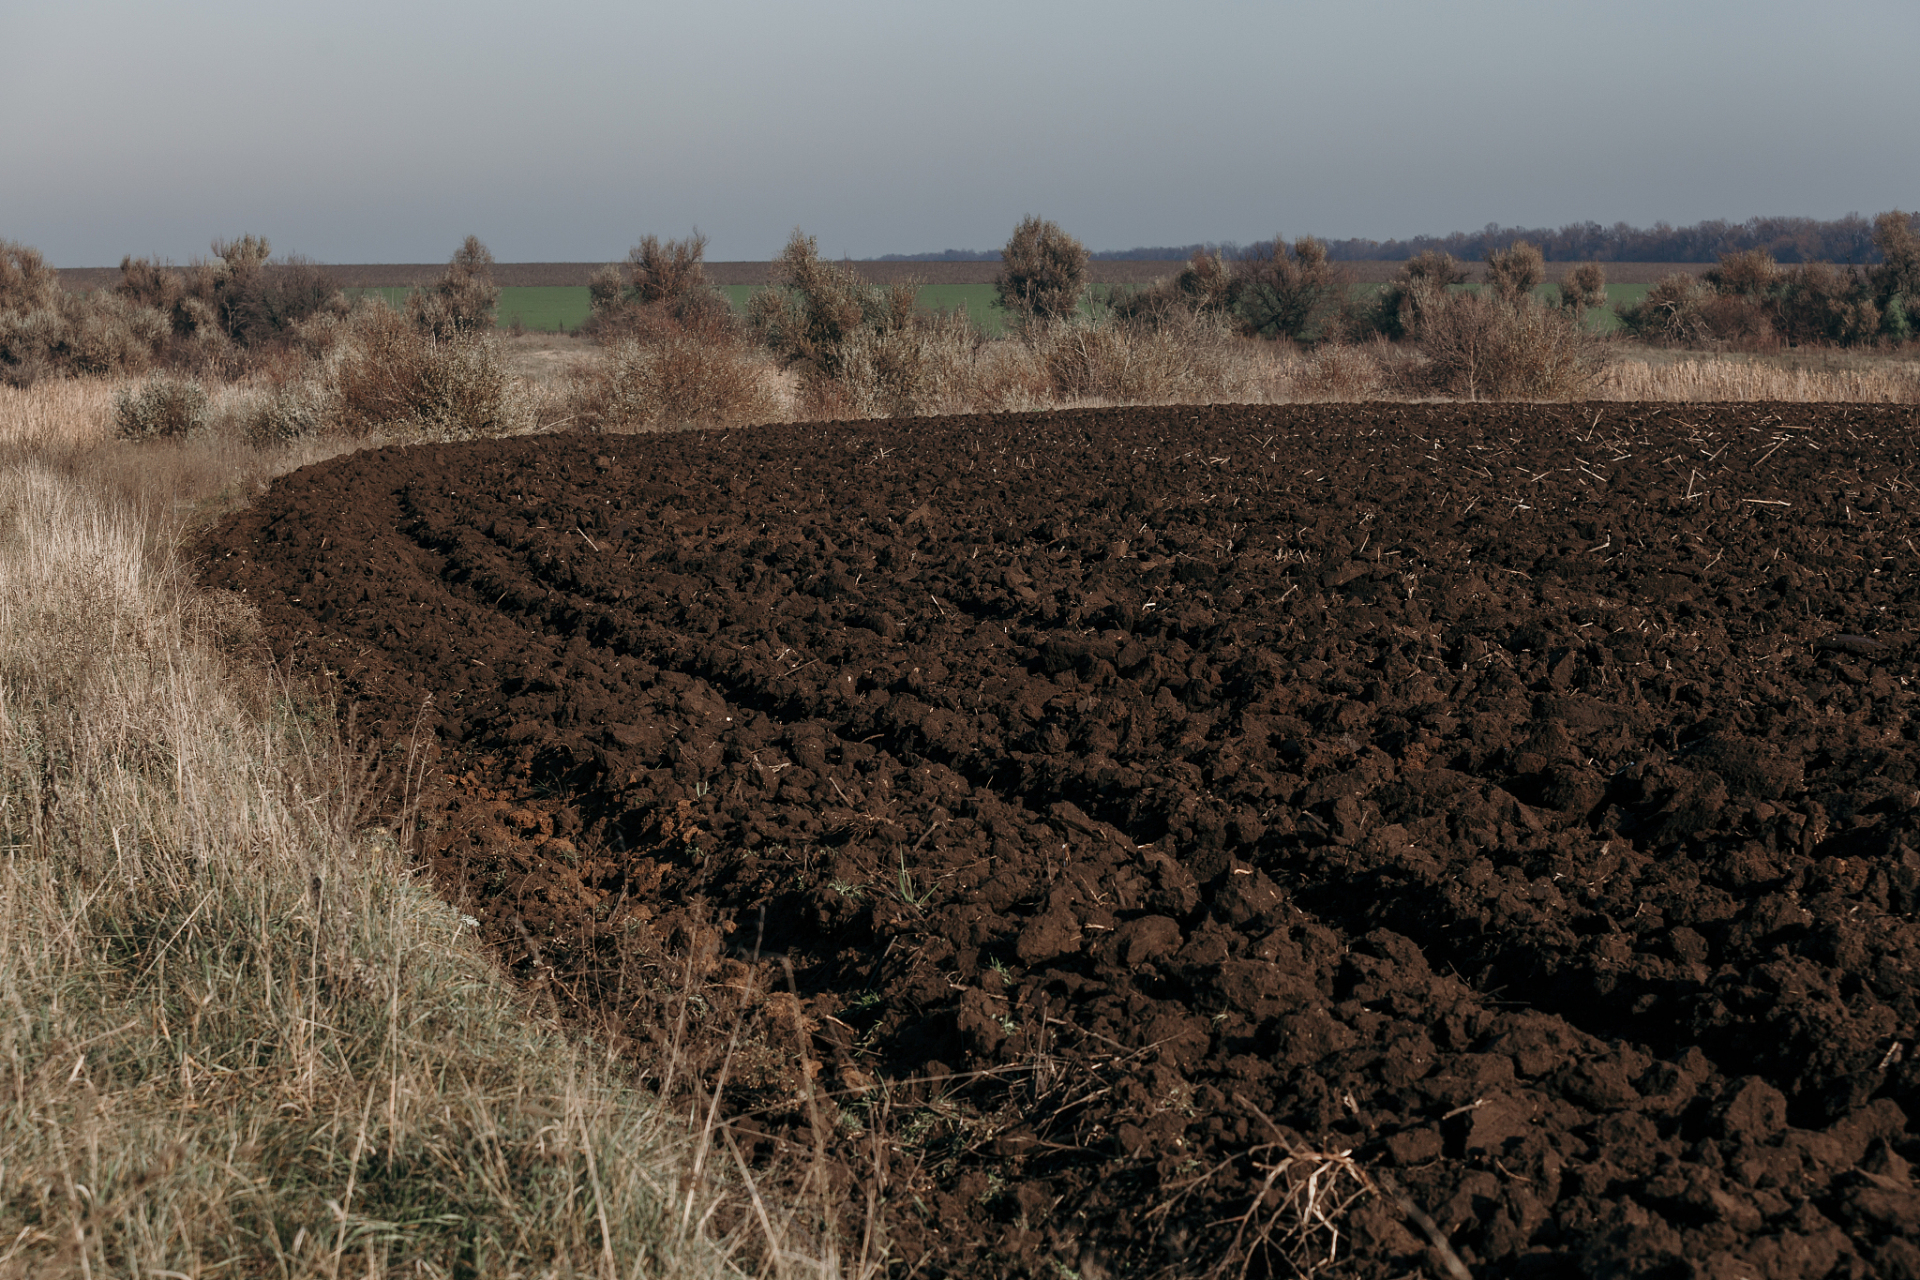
<point>551,308</point>
<point>545,307</point>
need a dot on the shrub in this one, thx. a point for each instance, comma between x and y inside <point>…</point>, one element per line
<point>223,285</point>
<point>243,298</point>
<point>1184,362</point>
<point>150,283</point>
<point>666,271</point>
<point>1735,321</point>
<point>661,291</point>
<point>811,317</point>
<point>1290,293</point>
<point>1728,305</point>
<point>1748,300</point>
<point>1043,272</point>
<point>91,334</point>
<point>1896,281</point>
<point>388,376</point>
<point>1819,303</point>
<point>164,408</point>
<point>1496,346</point>
<point>24,345</point>
<point>942,364</point>
<point>604,287</point>
<point>464,300</point>
<point>681,380</point>
<point>44,330</point>
<point>1337,371</point>
<point>1515,271</point>
<point>883,374</point>
<point>1751,273</point>
<point>1584,288</point>
<point>27,283</point>
<point>105,335</point>
<point>271,303</point>
<point>1207,285</point>
<point>1421,280</point>
<point>1898,240</point>
<point>1895,321</point>
<point>1671,312</point>
<point>298,409</point>
<point>188,300</point>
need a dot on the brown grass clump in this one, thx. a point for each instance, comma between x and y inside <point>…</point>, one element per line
<point>1337,371</point>
<point>242,1037</point>
<point>55,418</point>
<point>286,411</point>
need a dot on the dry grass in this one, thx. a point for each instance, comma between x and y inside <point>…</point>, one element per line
<point>1195,359</point>
<point>1879,382</point>
<point>238,1037</point>
<point>684,379</point>
<point>56,415</point>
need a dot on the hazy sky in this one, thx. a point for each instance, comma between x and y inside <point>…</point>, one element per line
<point>386,130</point>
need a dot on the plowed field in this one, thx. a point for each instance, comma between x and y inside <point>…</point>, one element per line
<point>1155,804</point>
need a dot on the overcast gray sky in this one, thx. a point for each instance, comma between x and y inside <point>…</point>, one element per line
<point>386,130</point>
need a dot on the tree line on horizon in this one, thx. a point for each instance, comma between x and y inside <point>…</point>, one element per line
<point>1847,240</point>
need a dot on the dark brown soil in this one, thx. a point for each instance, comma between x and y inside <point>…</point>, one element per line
<point>1154,804</point>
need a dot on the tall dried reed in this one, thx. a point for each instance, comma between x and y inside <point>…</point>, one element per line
<point>1890,382</point>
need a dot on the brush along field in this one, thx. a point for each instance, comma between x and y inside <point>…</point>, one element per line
<point>1168,840</point>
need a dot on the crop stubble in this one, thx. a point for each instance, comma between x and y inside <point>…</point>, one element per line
<point>1521,798</point>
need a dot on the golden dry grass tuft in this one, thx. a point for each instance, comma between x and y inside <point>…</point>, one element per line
<point>1887,381</point>
<point>239,1038</point>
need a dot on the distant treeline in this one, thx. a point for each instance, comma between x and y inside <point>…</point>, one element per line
<point>1788,240</point>
<point>1162,253</point>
